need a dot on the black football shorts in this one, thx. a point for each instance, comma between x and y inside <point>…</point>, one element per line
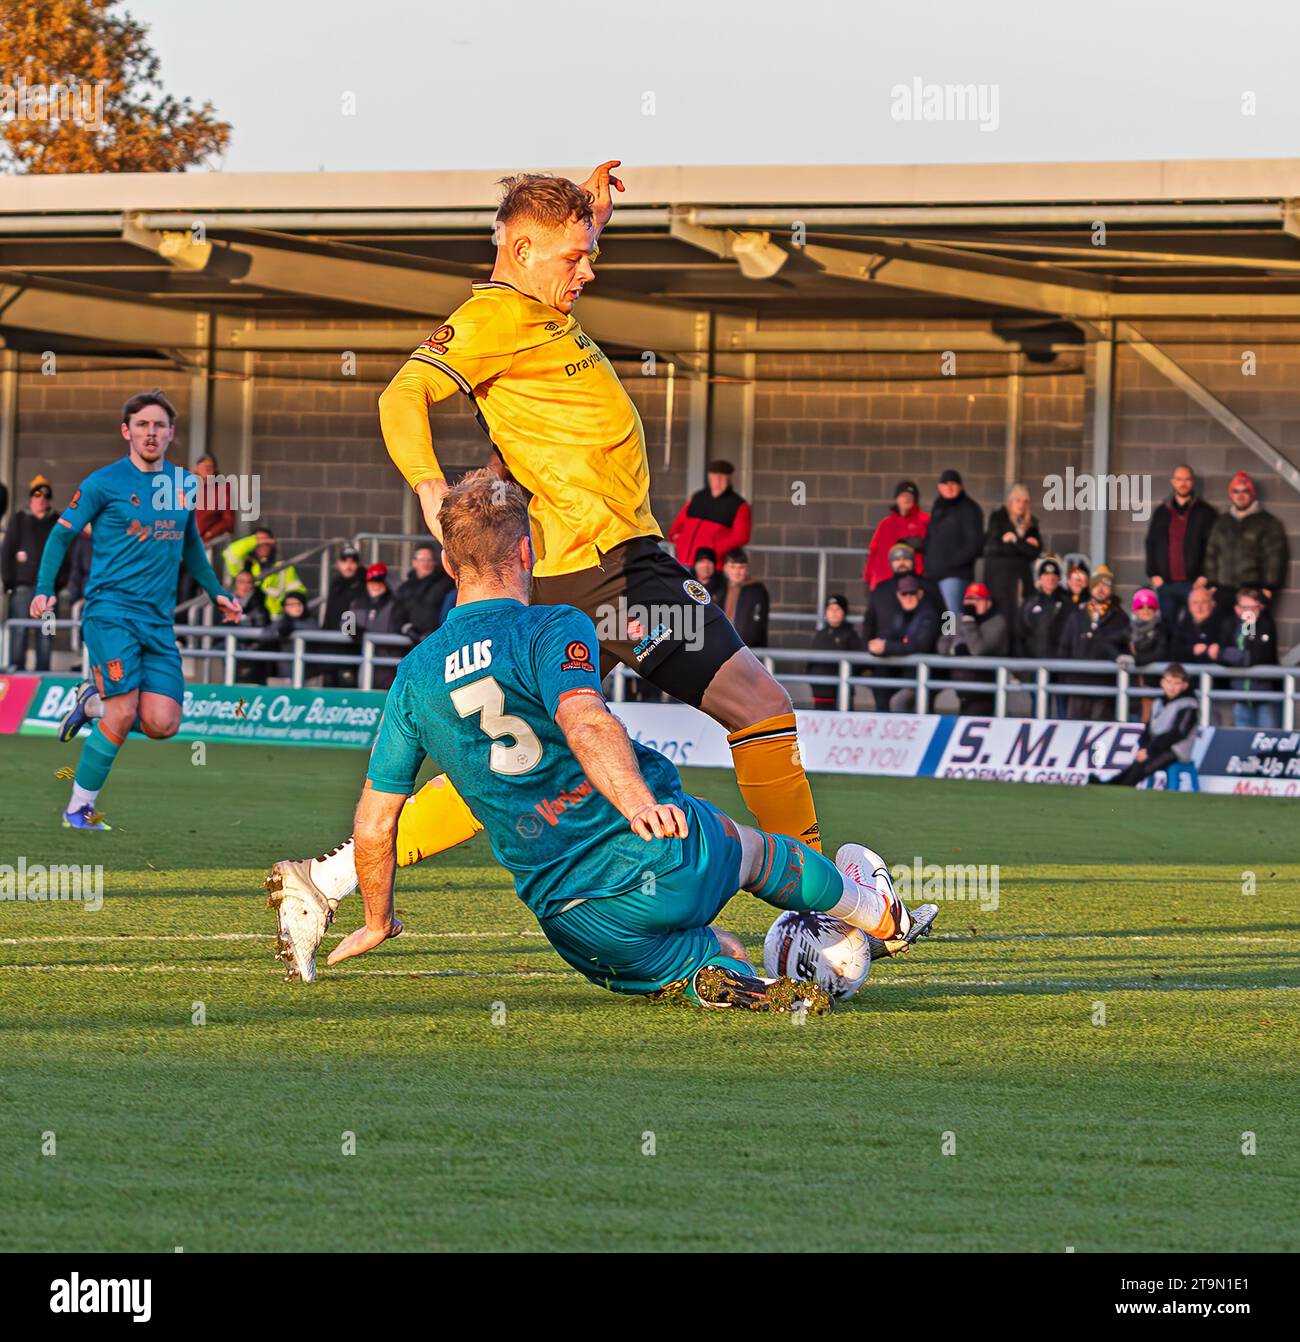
<point>651,615</point>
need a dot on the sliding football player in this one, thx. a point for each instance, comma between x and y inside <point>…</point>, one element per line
<point>506,698</point>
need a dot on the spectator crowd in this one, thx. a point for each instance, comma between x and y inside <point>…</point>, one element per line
<point>946,581</point>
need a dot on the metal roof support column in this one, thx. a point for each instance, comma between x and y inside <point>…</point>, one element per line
<point>1103,423</point>
<point>1015,412</point>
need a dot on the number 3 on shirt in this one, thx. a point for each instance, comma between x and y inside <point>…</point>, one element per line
<point>486,698</point>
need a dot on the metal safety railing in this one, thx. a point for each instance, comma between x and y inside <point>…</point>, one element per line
<point>1011,687</point>
<point>372,546</point>
<point>1034,688</point>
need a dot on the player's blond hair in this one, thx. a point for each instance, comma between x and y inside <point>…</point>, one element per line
<point>538,197</point>
<point>483,520</point>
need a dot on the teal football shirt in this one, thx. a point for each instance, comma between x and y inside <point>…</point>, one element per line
<point>479,698</point>
<point>141,527</point>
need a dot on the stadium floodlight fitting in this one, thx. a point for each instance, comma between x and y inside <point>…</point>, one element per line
<point>758,257</point>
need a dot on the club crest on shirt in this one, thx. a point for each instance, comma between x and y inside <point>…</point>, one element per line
<point>115,669</point>
<point>697,592</point>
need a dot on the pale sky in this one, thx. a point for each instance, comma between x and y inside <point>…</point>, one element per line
<point>490,84</point>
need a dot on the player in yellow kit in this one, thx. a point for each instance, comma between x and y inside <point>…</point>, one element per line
<point>564,427</point>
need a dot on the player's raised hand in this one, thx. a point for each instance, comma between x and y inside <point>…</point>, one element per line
<point>364,939</point>
<point>659,820</point>
<point>431,494</point>
<point>598,184</point>
<point>40,604</point>
<point>230,609</point>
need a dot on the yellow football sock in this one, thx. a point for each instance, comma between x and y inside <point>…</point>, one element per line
<point>772,781</point>
<point>432,821</point>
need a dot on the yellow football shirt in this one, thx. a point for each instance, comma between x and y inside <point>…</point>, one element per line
<point>555,410</point>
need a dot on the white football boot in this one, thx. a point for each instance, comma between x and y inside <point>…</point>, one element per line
<point>869,869</point>
<point>302,915</point>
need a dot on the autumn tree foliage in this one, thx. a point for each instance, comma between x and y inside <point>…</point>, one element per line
<point>80,91</point>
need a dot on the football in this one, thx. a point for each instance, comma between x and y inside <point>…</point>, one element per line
<point>816,946</point>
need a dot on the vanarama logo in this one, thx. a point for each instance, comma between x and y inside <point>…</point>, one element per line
<point>551,809</point>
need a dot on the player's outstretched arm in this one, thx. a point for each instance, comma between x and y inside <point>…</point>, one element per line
<point>600,744</point>
<point>374,833</point>
<point>56,547</point>
<point>404,422</point>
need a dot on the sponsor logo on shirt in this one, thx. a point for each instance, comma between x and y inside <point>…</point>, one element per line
<point>437,343</point>
<point>577,657</point>
<point>552,808</point>
<point>163,529</point>
<point>696,591</point>
<point>647,645</point>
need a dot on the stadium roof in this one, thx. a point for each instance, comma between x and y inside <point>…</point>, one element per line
<point>170,262</point>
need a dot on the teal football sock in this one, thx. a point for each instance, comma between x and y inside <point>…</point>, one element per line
<point>97,756</point>
<point>794,876</point>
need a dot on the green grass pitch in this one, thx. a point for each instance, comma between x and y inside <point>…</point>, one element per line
<point>533,1132</point>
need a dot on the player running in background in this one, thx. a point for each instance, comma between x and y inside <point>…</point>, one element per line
<point>143,528</point>
<point>624,871</point>
<point>564,427</point>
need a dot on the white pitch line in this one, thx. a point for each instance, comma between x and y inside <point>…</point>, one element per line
<point>247,936</point>
<point>1282,939</point>
<point>269,971</point>
<point>901,981</point>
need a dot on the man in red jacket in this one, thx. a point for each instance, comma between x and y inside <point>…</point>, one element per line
<point>716,517</point>
<point>903,522</point>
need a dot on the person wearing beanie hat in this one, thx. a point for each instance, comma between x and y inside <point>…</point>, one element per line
<point>20,562</point>
<point>903,522</point>
<point>715,517</point>
<point>705,569</point>
<point>882,600</point>
<point>1096,631</point>
<point>955,540</point>
<point>1247,548</point>
<point>982,631</point>
<point>1176,539</point>
<point>1148,639</point>
<point>836,635</point>
<point>1043,614</point>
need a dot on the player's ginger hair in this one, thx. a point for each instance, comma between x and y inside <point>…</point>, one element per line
<point>540,197</point>
<point>483,519</point>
